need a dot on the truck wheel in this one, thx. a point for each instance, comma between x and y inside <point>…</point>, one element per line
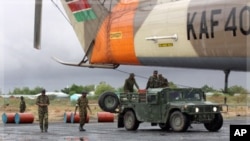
<point>108,101</point>
<point>130,121</point>
<point>179,122</point>
<point>164,126</point>
<point>215,124</point>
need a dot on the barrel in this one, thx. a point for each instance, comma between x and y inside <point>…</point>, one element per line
<point>67,117</point>
<point>105,117</point>
<point>24,118</point>
<point>142,91</point>
<point>76,118</point>
<point>8,117</point>
<point>142,95</point>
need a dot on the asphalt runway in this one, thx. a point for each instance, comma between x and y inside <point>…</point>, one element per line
<point>101,131</point>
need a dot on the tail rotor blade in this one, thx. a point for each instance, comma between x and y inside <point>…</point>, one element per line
<point>37,24</point>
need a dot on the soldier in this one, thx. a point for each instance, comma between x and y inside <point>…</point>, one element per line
<point>83,104</point>
<point>43,102</point>
<point>163,82</point>
<point>129,83</point>
<point>153,80</point>
<point>22,105</point>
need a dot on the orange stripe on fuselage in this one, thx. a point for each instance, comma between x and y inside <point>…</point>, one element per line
<point>114,43</point>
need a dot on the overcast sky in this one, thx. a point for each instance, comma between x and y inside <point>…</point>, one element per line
<point>23,66</point>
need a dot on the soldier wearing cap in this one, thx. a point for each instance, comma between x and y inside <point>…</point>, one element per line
<point>163,82</point>
<point>130,83</point>
<point>83,104</point>
<point>43,101</point>
<point>153,81</point>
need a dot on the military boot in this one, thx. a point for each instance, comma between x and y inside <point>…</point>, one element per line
<point>81,127</point>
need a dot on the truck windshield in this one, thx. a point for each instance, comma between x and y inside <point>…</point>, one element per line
<point>193,95</point>
<point>190,95</point>
<point>175,96</point>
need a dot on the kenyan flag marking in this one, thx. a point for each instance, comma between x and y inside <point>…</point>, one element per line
<point>81,10</point>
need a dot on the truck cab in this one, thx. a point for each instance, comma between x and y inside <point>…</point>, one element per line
<point>170,108</point>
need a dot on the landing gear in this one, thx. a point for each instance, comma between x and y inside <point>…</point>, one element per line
<point>226,80</point>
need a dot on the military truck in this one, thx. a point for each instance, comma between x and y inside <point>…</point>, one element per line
<point>170,108</point>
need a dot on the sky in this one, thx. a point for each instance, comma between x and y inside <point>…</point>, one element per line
<point>23,66</point>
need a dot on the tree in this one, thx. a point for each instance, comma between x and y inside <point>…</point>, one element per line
<point>65,90</point>
<point>237,89</point>
<point>26,90</point>
<point>78,89</point>
<point>120,89</point>
<point>89,88</point>
<point>36,90</point>
<point>16,91</point>
<point>172,85</point>
<point>103,87</point>
<point>206,88</point>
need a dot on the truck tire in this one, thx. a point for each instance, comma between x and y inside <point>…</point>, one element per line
<point>130,121</point>
<point>179,122</point>
<point>108,102</point>
<point>215,124</point>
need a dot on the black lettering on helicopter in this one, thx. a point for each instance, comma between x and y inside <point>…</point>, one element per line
<point>245,10</point>
<point>206,29</point>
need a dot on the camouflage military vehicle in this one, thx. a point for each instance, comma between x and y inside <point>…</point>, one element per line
<point>170,108</point>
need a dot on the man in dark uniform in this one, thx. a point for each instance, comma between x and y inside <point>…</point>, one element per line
<point>163,82</point>
<point>43,102</point>
<point>83,104</point>
<point>153,81</point>
<point>22,105</point>
<point>130,83</point>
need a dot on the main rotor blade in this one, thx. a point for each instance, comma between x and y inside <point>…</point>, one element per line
<point>37,24</point>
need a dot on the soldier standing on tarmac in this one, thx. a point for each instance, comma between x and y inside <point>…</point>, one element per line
<point>153,81</point>
<point>43,101</point>
<point>22,105</point>
<point>83,104</point>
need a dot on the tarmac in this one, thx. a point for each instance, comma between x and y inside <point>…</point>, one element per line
<point>108,131</point>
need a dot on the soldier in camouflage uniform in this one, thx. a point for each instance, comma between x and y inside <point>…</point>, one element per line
<point>83,104</point>
<point>163,82</point>
<point>22,105</point>
<point>153,81</point>
<point>43,102</point>
<point>129,83</point>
